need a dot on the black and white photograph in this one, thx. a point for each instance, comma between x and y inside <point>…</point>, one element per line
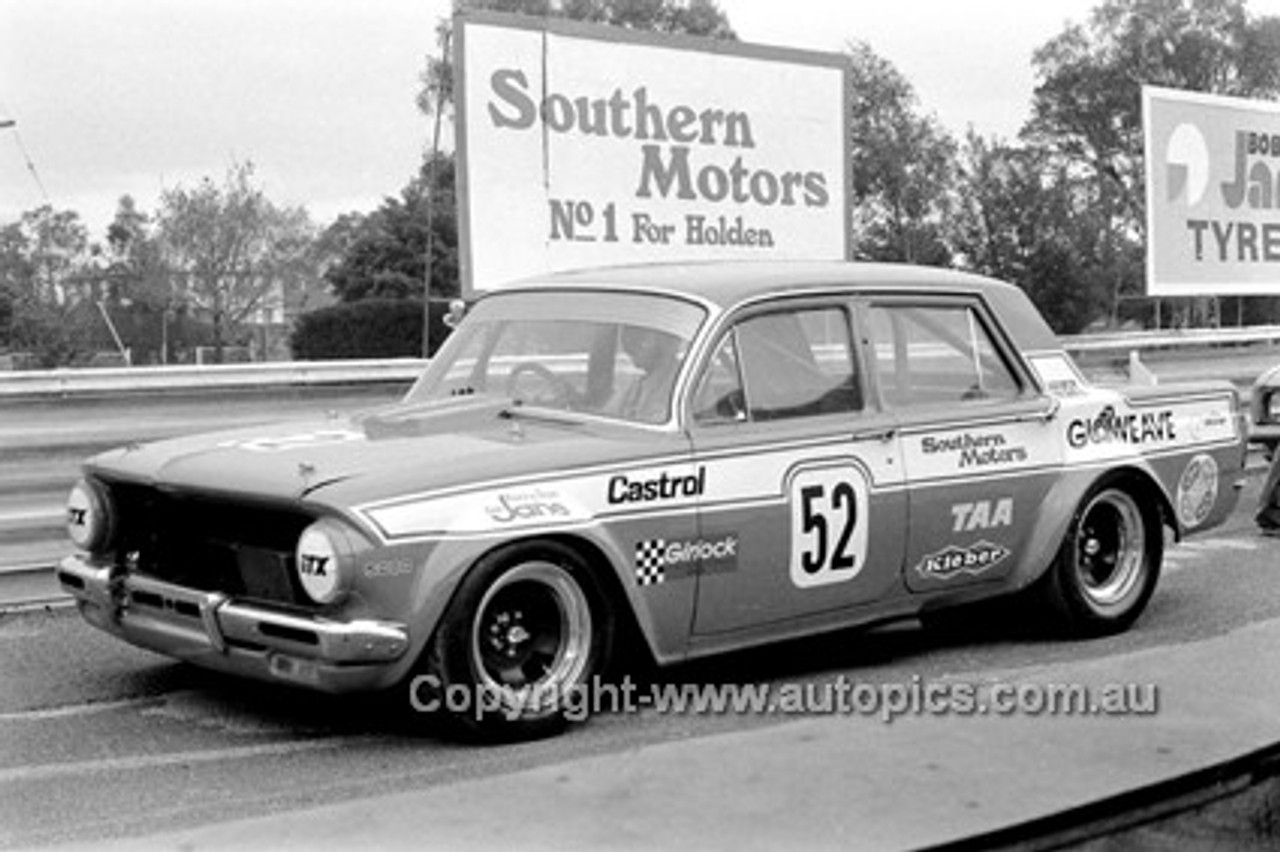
<point>640,425</point>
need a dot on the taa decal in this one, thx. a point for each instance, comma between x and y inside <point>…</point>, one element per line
<point>828,525</point>
<point>953,560</point>
<point>982,515</point>
<point>658,560</point>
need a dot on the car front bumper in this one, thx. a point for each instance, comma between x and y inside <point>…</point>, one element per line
<point>213,630</point>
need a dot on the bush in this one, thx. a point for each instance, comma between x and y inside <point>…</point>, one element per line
<point>368,328</point>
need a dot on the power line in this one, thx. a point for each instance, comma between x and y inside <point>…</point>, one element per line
<point>26,156</point>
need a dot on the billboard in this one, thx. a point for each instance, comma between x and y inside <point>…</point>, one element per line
<point>584,145</point>
<point>1213,199</point>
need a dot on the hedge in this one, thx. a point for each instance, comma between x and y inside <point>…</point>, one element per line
<point>368,328</point>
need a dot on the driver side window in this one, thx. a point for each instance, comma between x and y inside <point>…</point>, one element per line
<point>781,365</point>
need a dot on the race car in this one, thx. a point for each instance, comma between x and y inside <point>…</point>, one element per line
<point>687,459</point>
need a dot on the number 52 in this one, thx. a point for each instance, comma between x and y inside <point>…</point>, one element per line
<point>828,525</point>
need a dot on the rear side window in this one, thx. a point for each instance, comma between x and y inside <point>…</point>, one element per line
<point>779,365</point>
<point>937,355</point>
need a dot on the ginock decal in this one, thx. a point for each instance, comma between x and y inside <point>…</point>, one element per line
<point>659,560</point>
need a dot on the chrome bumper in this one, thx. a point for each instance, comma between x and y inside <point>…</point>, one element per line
<point>213,630</point>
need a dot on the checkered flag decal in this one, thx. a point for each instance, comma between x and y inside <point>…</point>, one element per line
<point>650,564</point>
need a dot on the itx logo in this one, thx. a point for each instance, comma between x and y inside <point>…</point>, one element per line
<point>1186,165</point>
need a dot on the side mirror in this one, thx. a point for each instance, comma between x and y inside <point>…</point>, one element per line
<point>457,310</point>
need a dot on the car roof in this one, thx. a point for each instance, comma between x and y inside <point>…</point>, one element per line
<point>730,283</point>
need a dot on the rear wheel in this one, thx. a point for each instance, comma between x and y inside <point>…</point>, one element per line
<point>1109,563</point>
<point>527,630</point>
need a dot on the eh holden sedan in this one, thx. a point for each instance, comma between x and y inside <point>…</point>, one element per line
<point>687,459</point>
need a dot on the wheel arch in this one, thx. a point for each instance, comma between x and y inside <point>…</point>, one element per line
<point>631,621</point>
<point>1065,500</point>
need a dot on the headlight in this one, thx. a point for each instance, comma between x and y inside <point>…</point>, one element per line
<point>88,516</point>
<point>325,559</point>
<point>1273,407</point>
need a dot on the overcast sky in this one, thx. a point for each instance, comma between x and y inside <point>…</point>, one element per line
<point>115,97</point>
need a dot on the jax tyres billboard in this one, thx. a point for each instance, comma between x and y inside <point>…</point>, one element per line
<point>1213,199</point>
<point>583,145</point>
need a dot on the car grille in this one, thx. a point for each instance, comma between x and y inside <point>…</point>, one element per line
<point>210,544</point>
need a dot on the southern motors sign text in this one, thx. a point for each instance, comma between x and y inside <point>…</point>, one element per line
<point>585,146</point>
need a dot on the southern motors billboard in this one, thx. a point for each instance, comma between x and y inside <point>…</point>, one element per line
<point>585,146</point>
<point>1213,203</point>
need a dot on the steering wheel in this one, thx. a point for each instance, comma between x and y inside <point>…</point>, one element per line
<point>562,392</point>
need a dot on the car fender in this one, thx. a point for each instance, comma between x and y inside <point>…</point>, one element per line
<point>1064,499</point>
<point>444,561</point>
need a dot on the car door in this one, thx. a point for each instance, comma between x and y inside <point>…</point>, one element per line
<point>978,451</point>
<point>800,471</point>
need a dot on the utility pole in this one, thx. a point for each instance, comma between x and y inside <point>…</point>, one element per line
<point>431,205</point>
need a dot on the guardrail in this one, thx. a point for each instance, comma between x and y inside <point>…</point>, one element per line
<point>209,377</point>
<point>1173,338</point>
<point>161,379</point>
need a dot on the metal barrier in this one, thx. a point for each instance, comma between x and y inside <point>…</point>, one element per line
<point>63,382</point>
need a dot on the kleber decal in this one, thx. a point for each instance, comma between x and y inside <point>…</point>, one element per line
<point>982,515</point>
<point>953,560</point>
<point>975,449</point>
<point>658,560</point>
<point>1109,427</point>
<point>663,487</point>
<point>1197,490</point>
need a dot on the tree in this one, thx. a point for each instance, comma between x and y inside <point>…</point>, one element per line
<point>1087,104</point>
<point>42,257</point>
<point>902,167</point>
<point>1021,216</point>
<point>383,254</point>
<point>230,252</point>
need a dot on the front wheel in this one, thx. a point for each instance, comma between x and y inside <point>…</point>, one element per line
<point>527,630</point>
<point>1108,565</point>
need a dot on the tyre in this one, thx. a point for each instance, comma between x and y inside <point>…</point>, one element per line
<point>528,629</point>
<point>1108,565</point>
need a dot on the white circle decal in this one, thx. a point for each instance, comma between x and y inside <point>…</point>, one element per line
<point>1197,490</point>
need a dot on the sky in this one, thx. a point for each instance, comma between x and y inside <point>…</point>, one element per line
<point>115,97</point>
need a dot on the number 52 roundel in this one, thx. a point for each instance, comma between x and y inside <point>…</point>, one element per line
<point>828,524</point>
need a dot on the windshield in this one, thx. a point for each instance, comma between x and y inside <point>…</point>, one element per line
<point>610,354</point>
